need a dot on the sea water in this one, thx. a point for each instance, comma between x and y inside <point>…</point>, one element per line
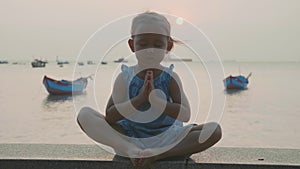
<point>265,115</point>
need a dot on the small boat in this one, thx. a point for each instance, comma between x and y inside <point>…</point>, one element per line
<point>103,62</point>
<point>120,60</point>
<point>182,59</point>
<point>65,87</point>
<point>18,63</point>
<point>90,62</point>
<point>3,62</point>
<point>80,63</point>
<point>236,82</point>
<point>38,63</point>
<point>61,62</point>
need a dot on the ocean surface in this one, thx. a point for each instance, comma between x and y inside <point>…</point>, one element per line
<point>267,114</point>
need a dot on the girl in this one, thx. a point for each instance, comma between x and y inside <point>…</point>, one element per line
<point>147,108</point>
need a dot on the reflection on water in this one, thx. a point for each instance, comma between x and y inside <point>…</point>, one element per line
<point>60,102</point>
<point>57,98</point>
<point>237,101</point>
<point>233,91</point>
<point>62,98</point>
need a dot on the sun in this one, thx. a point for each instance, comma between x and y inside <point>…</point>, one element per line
<point>179,21</point>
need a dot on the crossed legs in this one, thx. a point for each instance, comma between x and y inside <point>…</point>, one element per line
<point>95,126</point>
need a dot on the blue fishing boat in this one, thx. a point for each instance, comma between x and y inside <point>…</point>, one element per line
<point>65,87</point>
<point>236,82</point>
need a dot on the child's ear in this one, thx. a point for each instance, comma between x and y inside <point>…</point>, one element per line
<point>170,46</point>
<point>131,45</point>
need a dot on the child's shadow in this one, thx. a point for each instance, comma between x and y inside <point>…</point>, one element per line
<point>177,162</point>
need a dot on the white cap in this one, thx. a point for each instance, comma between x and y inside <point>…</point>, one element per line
<point>150,22</point>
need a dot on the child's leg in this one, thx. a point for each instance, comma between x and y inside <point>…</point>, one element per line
<point>190,144</point>
<point>95,126</point>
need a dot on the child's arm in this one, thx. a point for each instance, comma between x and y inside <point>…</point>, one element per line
<point>119,105</point>
<point>179,108</point>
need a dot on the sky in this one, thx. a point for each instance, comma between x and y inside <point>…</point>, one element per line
<point>242,30</point>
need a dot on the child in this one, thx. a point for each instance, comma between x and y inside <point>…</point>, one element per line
<point>147,108</point>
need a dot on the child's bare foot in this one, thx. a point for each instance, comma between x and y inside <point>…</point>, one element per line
<point>134,161</point>
<point>134,152</point>
<point>144,161</point>
<point>141,157</point>
<point>146,158</point>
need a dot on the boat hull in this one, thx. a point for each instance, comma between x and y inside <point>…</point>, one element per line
<point>64,87</point>
<point>236,82</point>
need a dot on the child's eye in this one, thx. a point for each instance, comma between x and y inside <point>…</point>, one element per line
<point>143,44</point>
<point>158,45</point>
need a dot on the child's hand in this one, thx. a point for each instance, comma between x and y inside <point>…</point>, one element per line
<point>147,87</point>
<point>149,76</point>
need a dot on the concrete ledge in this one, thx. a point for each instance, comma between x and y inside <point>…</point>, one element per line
<point>41,156</point>
<point>78,164</point>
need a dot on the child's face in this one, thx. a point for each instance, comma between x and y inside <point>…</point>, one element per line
<point>150,49</point>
